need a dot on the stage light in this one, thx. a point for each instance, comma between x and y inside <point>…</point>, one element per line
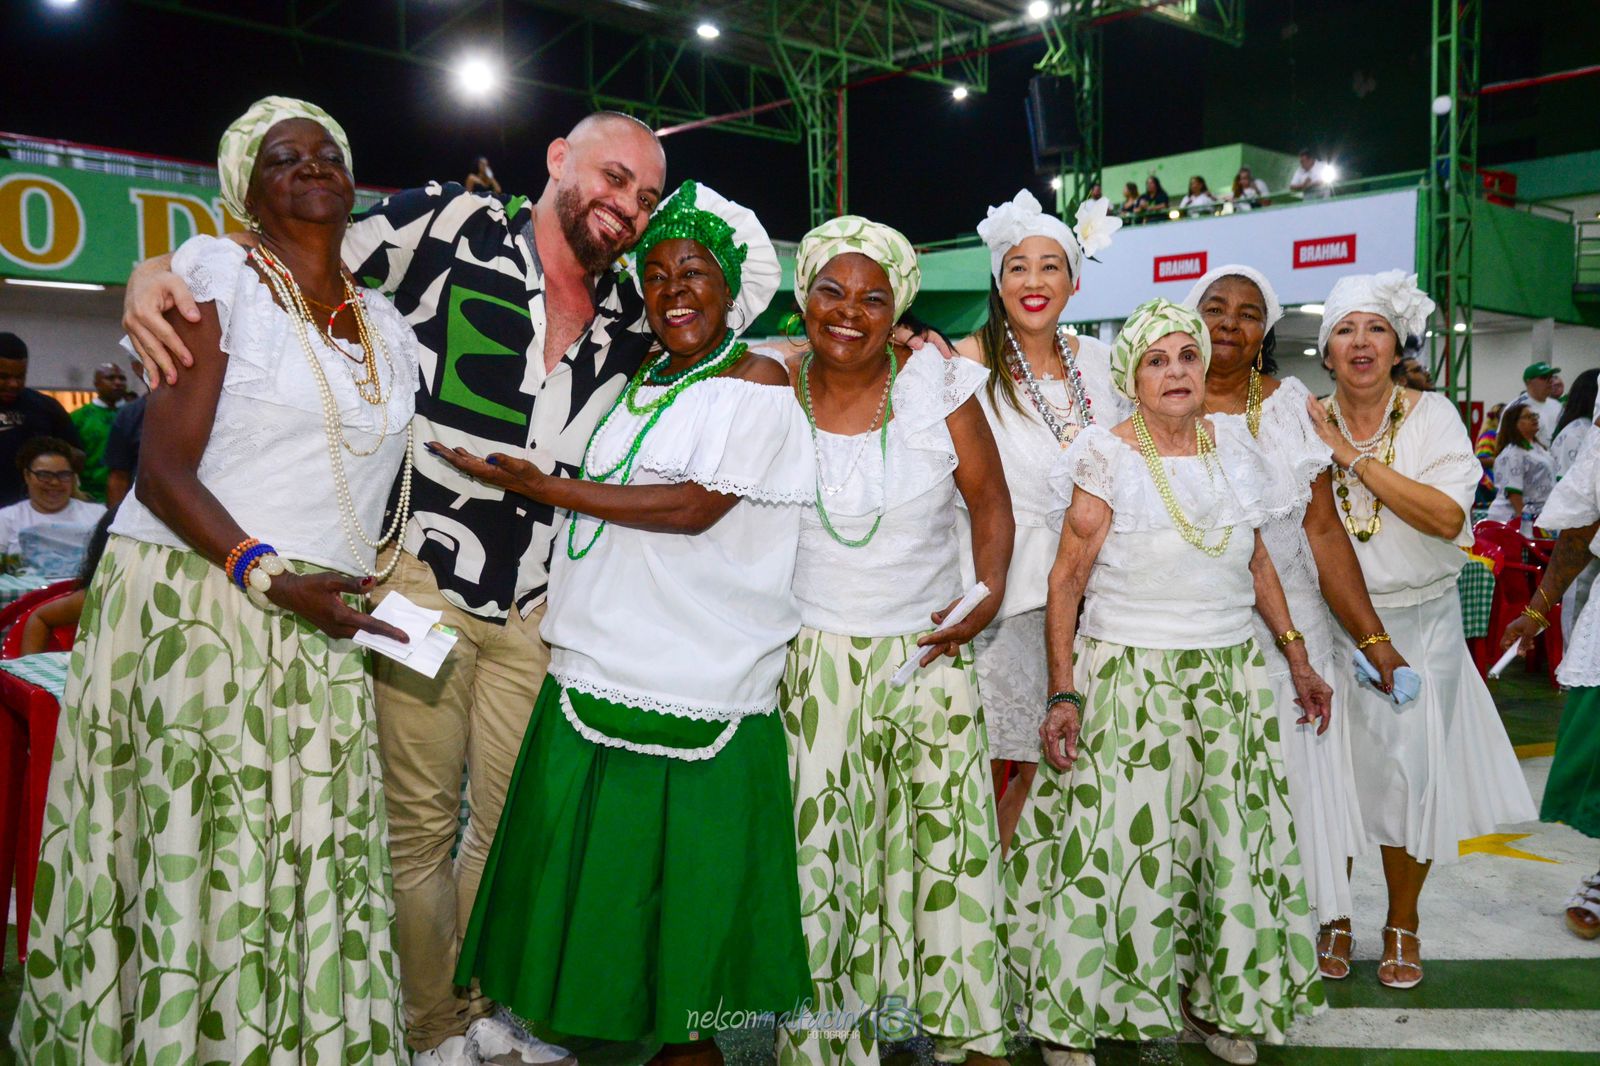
<point>1039,10</point>
<point>1055,183</point>
<point>1442,105</point>
<point>41,283</point>
<point>708,30</point>
<point>1310,351</point>
<point>1461,327</point>
<point>61,4</point>
<point>959,92</point>
<point>1174,214</point>
<point>1328,173</point>
<point>477,78</point>
<point>1430,333</point>
<point>1312,309</point>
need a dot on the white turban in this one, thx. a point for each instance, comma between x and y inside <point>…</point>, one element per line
<point>1394,294</point>
<point>1236,270</point>
<point>1012,223</point>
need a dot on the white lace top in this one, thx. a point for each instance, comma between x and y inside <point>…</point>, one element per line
<point>1291,444</point>
<point>1530,471</point>
<point>1150,588</point>
<point>1028,449</point>
<point>690,625</point>
<point>1574,503</point>
<point>267,460</point>
<point>910,568</point>
<point>1404,567</point>
<point>1569,442</point>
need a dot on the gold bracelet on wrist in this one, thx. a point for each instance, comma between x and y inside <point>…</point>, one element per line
<point>1539,619</point>
<point>1289,636</point>
<point>1543,596</point>
<point>1368,641</point>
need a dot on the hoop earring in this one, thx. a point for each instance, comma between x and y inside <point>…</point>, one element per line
<point>793,326</point>
<point>742,323</point>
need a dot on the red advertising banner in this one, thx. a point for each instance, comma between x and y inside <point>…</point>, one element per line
<point>1183,267</point>
<point>1325,251</point>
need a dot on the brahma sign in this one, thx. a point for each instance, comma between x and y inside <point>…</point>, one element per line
<point>1325,251</point>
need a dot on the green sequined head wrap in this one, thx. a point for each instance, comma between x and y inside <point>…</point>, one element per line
<point>679,218</point>
<point>1149,322</point>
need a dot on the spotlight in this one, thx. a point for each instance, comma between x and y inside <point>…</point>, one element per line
<point>1174,214</point>
<point>1461,327</point>
<point>1328,173</point>
<point>1312,309</point>
<point>1430,333</point>
<point>1055,183</point>
<point>1442,105</point>
<point>477,78</point>
<point>959,92</point>
<point>708,30</point>
<point>1309,351</point>
<point>1039,10</point>
<point>61,4</point>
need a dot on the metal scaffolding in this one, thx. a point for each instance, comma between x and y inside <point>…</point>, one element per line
<point>1452,191</point>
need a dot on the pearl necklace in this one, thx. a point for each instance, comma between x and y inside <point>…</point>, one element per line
<point>369,386</point>
<point>1206,451</point>
<point>1063,424</point>
<point>860,447</point>
<point>283,285</point>
<point>886,404</point>
<point>1368,449</point>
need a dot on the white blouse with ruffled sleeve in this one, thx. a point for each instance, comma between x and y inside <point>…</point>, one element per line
<point>689,625</point>
<point>1150,588</point>
<point>268,459</point>
<point>911,567</point>
<point>1576,503</point>
<point>1028,449</point>
<point>1404,566</point>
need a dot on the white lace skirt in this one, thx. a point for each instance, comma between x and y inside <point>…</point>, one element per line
<point>1439,769</point>
<point>1013,682</point>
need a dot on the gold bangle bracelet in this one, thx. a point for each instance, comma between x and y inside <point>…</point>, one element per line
<point>1368,641</point>
<point>1539,619</point>
<point>1289,637</point>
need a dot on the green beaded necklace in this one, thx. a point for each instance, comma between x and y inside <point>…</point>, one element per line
<point>726,354</point>
<point>883,449</point>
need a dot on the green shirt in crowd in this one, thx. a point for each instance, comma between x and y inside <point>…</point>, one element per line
<point>93,420</point>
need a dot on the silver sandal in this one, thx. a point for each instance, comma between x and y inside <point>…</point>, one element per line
<point>1334,933</point>
<point>1397,961</point>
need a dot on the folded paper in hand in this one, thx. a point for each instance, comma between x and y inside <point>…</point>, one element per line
<point>958,614</point>
<point>430,641</point>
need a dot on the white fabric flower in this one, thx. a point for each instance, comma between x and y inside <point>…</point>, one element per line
<point>1096,226</point>
<point>1394,294</point>
<point>1012,223</point>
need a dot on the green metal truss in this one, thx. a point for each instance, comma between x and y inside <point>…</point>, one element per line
<point>1452,190</point>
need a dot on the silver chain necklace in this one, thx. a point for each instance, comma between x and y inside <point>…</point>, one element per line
<point>1080,415</point>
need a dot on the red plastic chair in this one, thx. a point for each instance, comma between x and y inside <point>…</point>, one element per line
<point>31,712</point>
<point>61,637</point>
<point>1515,582</point>
<point>28,600</point>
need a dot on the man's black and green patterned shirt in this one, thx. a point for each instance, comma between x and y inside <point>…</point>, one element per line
<point>462,268</point>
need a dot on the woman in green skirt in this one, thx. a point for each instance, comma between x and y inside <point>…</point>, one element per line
<point>899,849</point>
<point>214,876</point>
<point>641,884</point>
<point>1572,793</point>
<point>1156,853</point>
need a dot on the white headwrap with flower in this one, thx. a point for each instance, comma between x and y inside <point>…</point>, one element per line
<point>1238,270</point>
<point>1012,223</point>
<point>1394,294</point>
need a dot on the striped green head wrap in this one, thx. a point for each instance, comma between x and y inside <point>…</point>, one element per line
<point>851,233</point>
<point>679,218</point>
<point>241,143</point>
<point>1149,322</point>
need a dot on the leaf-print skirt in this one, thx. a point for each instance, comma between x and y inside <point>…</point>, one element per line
<point>632,896</point>
<point>1165,859</point>
<point>214,877</point>
<point>899,850</point>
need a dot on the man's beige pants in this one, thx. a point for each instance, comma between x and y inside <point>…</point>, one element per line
<point>472,716</point>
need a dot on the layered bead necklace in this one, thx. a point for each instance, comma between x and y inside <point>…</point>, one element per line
<point>880,422</point>
<point>1369,449</point>
<point>1206,451</point>
<point>651,375</point>
<point>369,387</point>
<point>1062,423</point>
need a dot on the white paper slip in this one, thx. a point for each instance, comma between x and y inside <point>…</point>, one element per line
<point>429,643</point>
<point>968,603</point>
<point>1505,660</point>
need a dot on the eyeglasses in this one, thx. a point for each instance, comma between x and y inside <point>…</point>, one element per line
<point>60,477</point>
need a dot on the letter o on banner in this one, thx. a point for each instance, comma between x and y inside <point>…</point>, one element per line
<point>48,244</point>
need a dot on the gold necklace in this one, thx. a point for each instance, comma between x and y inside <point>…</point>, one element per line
<point>369,385</point>
<point>1205,450</point>
<point>1365,531</point>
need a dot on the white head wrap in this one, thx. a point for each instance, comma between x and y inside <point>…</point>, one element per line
<point>882,244</point>
<point>241,143</point>
<point>1237,270</point>
<point>1012,223</point>
<point>1150,321</point>
<point>754,279</point>
<point>1394,294</point>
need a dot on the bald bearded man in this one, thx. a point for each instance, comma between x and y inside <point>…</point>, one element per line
<point>527,338</point>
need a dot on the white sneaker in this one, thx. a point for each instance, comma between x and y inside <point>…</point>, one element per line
<point>499,1039</point>
<point>455,1051</point>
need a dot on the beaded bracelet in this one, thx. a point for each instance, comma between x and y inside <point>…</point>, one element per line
<point>241,567</point>
<point>1071,696</point>
<point>233,557</point>
<point>1368,641</point>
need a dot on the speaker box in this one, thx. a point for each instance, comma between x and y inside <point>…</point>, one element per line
<point>1053,115</point>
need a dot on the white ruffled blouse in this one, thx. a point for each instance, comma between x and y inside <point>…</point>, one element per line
<point>910,568</point>
<point>1150,588</point>
<point>689,625</point>
<point>1575,503</point>
<point>1028,450</point>
<point>268,460</point>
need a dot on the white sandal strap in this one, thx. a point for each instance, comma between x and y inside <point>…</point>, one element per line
<point>1587,898</point>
